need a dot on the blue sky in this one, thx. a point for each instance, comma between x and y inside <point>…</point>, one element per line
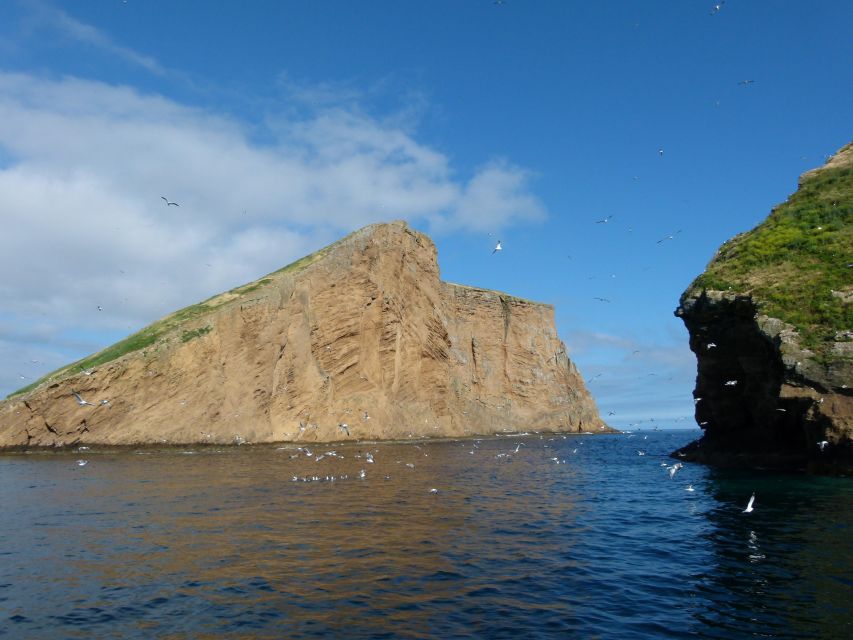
<point>280,126</point>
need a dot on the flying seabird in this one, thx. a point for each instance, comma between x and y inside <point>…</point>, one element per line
<point>168,203</point>
<point>498,247</point>
<point>731,383</point>
<point>746,82</point>
<point>80,400</point>
<point>717,7</point>
<point>671,236</point>
<point>82,463</point>
<point>344,427</point>
<point>749,505</point>
<point>822,444</point>
<point>601,299</point>
<point>604,220</point>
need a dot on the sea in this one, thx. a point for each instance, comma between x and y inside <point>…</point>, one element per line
<point>514,536</point>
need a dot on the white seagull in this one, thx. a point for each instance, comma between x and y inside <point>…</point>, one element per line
<point>670,236</point>
<point>82,463</point>
<point>749,505</point>
<point>80,400</point>
<point>344,427</point>
<point>823,444</point>
<point>498,247</point>
<point>168,203</point>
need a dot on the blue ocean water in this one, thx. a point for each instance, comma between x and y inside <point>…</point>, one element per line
<point>576,536</point>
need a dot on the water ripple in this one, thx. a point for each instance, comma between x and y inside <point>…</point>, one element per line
<point>225,544</point>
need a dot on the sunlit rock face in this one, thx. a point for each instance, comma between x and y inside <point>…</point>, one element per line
<point>361,340</point>
<point>771,325</point>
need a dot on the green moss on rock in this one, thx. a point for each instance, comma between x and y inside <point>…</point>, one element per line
<point>797,264</point>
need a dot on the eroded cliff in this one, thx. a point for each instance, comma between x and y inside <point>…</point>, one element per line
<point>361,340</point>
<point>771,325</point>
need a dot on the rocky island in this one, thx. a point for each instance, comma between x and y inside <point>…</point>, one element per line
<point>360,340</point>
<point>771,324</point>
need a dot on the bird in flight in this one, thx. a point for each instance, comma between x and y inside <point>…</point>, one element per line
<point>604,220</point>
<point>344,427</point>
<point>749,505</point>
<point>717,7</point>
<point>80,400</point>
<point>660,152</point>
<point>746,82</point>
<point>822,444</point>
<point>601,299</point>
<point>497,248</point>
<point>168,203</point>
<point>671,236</point>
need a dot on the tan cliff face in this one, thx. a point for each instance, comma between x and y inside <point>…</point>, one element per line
<point>366,336</point>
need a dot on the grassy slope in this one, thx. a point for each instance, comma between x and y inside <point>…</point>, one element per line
<point>792,261</point>
<point>174,322</point>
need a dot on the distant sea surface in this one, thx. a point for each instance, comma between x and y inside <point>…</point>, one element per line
<point>577,536</point>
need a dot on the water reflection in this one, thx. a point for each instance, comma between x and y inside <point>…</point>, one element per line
<point>572,535</point>
<point>784,569</point>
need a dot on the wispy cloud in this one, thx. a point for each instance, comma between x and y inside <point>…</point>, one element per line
<point>85,164</point>
<point>67,26</point>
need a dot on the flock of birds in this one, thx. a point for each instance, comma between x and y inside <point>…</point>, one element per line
<point>535,444</point>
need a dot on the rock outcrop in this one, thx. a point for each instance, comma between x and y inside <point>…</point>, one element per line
<point>771,324</point>
<point>360,340</point>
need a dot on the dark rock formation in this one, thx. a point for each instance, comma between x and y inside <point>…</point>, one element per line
<point>770,324</point>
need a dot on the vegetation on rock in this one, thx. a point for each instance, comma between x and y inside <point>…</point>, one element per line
<point>798,264</point>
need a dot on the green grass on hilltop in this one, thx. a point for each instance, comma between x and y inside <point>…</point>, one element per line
<point>792,261</point>
<point>160,329</point>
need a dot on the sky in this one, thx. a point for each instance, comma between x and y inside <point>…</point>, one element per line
<point>280,126</point>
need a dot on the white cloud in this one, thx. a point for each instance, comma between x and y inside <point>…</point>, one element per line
<point>59,21</point>
<point>85,164</point>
